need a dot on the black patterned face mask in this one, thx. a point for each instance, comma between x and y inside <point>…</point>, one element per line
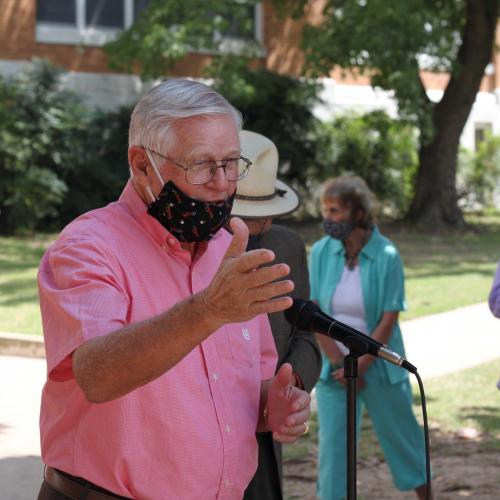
<point>188,219</point>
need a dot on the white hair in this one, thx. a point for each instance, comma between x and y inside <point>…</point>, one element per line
<point>172,100</point>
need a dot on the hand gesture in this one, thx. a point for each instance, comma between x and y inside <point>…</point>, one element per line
<point>244,286</point>
<point>288,407</point>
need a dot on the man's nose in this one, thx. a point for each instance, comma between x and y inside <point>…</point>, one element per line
<point>219,180</point>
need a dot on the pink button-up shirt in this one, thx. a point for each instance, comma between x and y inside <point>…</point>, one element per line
<point>190,433</point>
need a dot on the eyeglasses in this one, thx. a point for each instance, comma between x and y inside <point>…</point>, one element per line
<point>201,172</point>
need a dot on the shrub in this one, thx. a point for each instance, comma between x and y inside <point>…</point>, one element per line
<point>478,178</point>
<point>378,148</point>
<point>57,158</point>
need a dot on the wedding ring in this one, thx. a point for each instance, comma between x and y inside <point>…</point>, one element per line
<point>306,429</point>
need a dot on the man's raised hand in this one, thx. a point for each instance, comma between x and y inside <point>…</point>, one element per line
<point>245,285</point>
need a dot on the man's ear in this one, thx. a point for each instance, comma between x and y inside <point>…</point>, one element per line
<point>138,161</point>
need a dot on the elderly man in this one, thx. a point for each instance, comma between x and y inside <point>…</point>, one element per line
<point>159,354</point>
<point>260,198</point>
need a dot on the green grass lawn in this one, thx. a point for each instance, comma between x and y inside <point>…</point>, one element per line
<point>468,398</point>
<point>19,259</point>
<point>447,271</point>
<point>443,271</point>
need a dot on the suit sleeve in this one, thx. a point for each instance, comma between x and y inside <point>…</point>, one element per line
<point>303,352</point>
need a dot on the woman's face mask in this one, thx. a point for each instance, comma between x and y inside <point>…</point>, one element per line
<point>188,219</point>
<point>338,230</point>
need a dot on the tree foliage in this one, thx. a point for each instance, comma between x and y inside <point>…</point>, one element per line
<point>390,42</point>
<point>479,174</point>
<point>277,106</point>
<point>378,148</point>
<point>57,158</point>
<point>167,31</point>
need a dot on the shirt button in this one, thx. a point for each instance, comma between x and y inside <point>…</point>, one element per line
<point>228,428</point>
<point>215,376</point>
<point>226,482</point>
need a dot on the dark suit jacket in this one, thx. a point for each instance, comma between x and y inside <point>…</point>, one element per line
<point>297,347</point>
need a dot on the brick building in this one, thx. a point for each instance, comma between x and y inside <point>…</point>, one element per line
<point>70,33</point>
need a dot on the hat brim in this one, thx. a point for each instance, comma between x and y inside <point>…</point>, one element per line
<point>276,206</point>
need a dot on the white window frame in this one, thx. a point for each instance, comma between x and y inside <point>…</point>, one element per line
<point>80,34</point>
<point>232,44</point>
<point>59,33</point>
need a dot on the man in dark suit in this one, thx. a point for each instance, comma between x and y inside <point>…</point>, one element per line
<point>260,198</point>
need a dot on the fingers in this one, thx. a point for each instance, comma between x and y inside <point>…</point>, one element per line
<point>284,374</point>
<point>252,260</point>
<point>290,433</point>
<point>271,306</point>
<point>240,238</point>
<point>244,284</point>
<point>266,292</point>
<point>261,275</point>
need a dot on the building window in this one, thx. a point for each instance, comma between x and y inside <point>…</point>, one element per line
<point>243,31</point>
<point>104,14</point>
<point>56,11</point>
<point>87,22</point>
<point>95,22</point>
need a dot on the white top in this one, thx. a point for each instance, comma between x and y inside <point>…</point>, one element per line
<point>347,303</point>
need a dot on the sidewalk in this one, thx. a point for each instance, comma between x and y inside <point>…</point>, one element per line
<point>21,469</point>
<point>451,341</point>
<point>436,345</point>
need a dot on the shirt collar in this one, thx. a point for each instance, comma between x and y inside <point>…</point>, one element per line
<point>369,250</point>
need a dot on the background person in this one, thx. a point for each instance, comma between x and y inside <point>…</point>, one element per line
<point>494,299</point>
<point>159,353</point>
<point>261,197</point>
<point>356,275</point>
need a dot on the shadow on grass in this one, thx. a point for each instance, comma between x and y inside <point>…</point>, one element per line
<point>17,301</point>
<point>486,417</point>
<point>17,254</point>
<point>18,291</point>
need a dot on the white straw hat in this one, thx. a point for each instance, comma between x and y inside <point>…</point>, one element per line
<point>260,193</point>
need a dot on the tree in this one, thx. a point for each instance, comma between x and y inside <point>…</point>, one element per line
<point>388,41</point>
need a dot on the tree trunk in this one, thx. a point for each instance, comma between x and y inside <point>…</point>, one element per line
<point>435,203</point>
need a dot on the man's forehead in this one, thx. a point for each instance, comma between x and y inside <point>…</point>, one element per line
<point>207,136</point>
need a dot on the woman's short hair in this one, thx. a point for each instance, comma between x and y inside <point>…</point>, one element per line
<point>352,192</point>
<point>172,100</point>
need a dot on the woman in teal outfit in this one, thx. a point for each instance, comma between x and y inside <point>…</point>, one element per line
<point>356,275</point>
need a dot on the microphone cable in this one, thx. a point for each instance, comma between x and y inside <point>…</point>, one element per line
<point>426,435</point>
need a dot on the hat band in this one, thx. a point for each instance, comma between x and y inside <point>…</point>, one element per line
<point>278,192</point>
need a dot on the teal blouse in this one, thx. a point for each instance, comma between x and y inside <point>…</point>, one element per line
<point>382,284</point>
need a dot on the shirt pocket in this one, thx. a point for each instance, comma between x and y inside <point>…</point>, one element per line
<point>242,339</point>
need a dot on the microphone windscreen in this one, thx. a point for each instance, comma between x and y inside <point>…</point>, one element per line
<point>301,314</point>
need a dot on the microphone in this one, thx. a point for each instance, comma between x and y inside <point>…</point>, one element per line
<point>306,315</point>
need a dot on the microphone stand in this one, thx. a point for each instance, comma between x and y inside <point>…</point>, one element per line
<point>357,347</point>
